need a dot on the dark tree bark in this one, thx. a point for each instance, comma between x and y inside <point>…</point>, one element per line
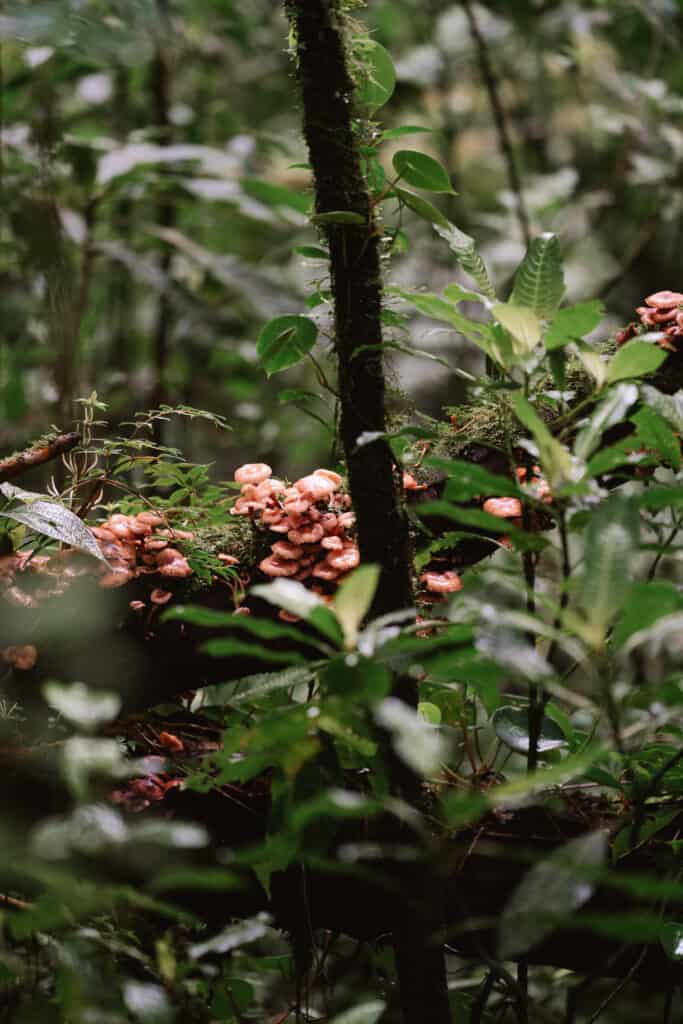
<point>328,109</point>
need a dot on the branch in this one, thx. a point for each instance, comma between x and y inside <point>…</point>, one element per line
<point>21,462</point>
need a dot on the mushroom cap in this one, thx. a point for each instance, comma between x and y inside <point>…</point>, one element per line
<point>344,560</point>
<point>274,566</point>
<point>316,487</point>
<point>329,474</point>
<point>20,656</point>
<point>284,549</point>
<point>441,582</point>
<point>664,299</point>
<point>150,518</point>
<point>178,569</point>
<point>253,473</point>
<point>409,481</point>
<point>504,508</point>
<point>116,578</point>
<point>308,535</point>
<point>159,596</point>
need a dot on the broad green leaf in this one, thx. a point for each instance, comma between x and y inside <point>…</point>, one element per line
<point>228,647</point>
<point>304,603</point>
<point>572,323</point>
<point>646,603</point>
<point>339,217</point>
<point>379,78</point>
<point>253,688</point>
<point>50,519</point>
<point>636,359</point>
<point>430,712</point>
<point>523,325</point>
<point>511,725</point>
<point>670,407</point>
<point>285,341</point>
<point>312,252</point>
<point>611,540</point>
<point>467,254</point>
<point>421,171</point>
<point>276,195</point>
<point>612,409</point>
<point>353,599</point>
<point>555,459</point>
<point>455,293</point>
<point>439,309</point>
<point>467,480</point>
<point>593,362</point>
<point>671,938</point>
<point>84,707</point>
<point>422,207</point>
<point>549,893</point>
<point>655,433</point>
<point>539,281</point>
<point>404,129</point>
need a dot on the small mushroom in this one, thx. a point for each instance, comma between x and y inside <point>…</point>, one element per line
<point>20,656</point>
<point>283,549</point>
<point>178,569</point>
<point>137,606</point>
<point>316,487</point>
<point>227,559</point>
<point>441,582</point>
<point>171,742</point>
<point>330,475</point>
<point>159,596</point>
<point>345,560</point>
<point>503,508</point>
<point>664,299</point>
<point>274,566</point>
<point>116,578</point>
<point>252,473</point>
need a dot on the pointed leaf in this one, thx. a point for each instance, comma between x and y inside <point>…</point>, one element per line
<point>511,725</point>
<point>636,359</point>
<point>549,893</point>
<point>285,341</point>
<point>353,599</point>
<point>573,323</point>
<point>556,460</point>
<point>523,325</point>
<point>379,79</point>
<point>52,520</point>
<point>467,254</point>
<point>611,539</point>
<point>422,207</point>
<point>421,171</point>
<point>539,282</point>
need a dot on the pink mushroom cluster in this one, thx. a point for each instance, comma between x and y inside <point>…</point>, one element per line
<point>662,312</point>
<point>310,519</point>
<point>141,544</point>
<point>27,579</point>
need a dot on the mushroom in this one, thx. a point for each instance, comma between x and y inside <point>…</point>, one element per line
<point>273,566</point>
<point>441,582</point>
<point>664,299</point>
<point>344,560</point>
<point>503,508</point>
<point>312,535</point>
<point>179,568</point>
<point>283,549</point>
<point>252,473</point>
<point>227,559</point>
<point>333,543</point>
<point>116,578</point>
<point>159,596</point>
<point>316,487</point>
<point>171,742</point>
<point>22,657</point>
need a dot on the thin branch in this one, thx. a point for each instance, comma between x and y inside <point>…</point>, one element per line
<point>504,141</point>
<point>21,462</point>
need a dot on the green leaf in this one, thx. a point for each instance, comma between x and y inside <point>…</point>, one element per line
<point>439,309</point>
<point>467,254</point>
<point>556,460</point>
<point>573,323</point>
<point>299,601</point>
<point>339,217</point>
<point>404,129</point>
<point>636,359</point>
<point>671,938</point>
<point>611,410</point>
<point>379,78</point>
<point>50,519</point>
<point>646,603</point>
<point>539,281</point>
<point>467,480</point>
<point>276,195</point>
<point>312,252</point>
<point>421,171</point>
<point>654,432</point>
<point>227,647</point>
<point>611,539</point>
<point>523,325</point>
<point>549,893</point>
<point>422,207</point>
<point>353,599</point>
<point>285,341</point>
<point>511,726</point>
<point>430,712</point>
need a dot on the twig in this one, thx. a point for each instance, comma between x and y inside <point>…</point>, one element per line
<point>16,904</point>
<point>619,988</point>
<point>491,84</point>
<point>21,462</point>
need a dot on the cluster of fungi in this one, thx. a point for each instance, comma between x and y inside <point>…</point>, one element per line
<point>663,311</point>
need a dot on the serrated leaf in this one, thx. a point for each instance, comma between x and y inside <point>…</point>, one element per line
<point>422,207</point>
<point>572,323</point>
<point>51,519</point>
<point>539,281</point>
<point>549,893</point>
<point>636,359</point>
<point>285,341</point>
<point>353,599</point>
<point>421,171</point>
<point>523,325</point>
<point>467,254</point>
<point>379,79</point>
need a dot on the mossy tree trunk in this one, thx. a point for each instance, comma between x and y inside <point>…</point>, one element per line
<point>328,115</point>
